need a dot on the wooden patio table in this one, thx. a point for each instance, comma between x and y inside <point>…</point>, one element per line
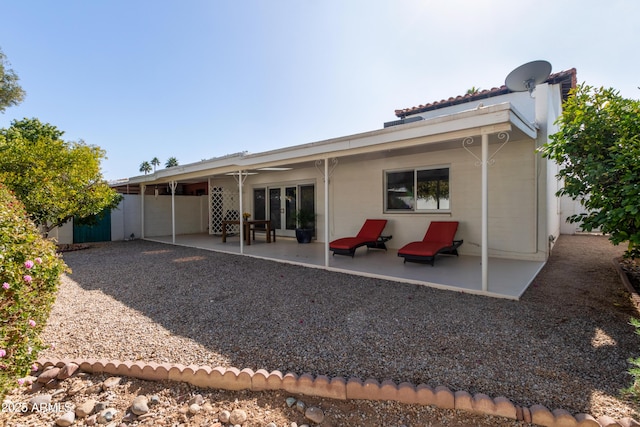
<point>248,229</point>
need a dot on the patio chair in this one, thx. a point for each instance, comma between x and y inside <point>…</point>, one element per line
<point>369,236</point>
<point>437,240</point>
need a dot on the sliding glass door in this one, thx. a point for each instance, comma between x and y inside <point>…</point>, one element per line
<point>279,203</point>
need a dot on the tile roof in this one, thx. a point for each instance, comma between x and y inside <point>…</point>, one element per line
<point>567,79</point>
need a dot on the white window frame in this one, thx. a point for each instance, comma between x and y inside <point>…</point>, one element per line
<point>415,171</point>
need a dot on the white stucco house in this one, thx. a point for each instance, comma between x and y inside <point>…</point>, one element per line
<point>477,154</point>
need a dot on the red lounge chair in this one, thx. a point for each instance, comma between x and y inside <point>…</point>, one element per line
<point>438,240</point>
<point>368,235</point>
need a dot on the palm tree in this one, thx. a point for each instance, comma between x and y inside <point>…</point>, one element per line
<point>473,90</point>
<point>145,167</point>
<point>155,162</point>
<point>171,162</point>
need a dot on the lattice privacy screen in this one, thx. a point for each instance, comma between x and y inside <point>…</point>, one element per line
<point>225,206</point>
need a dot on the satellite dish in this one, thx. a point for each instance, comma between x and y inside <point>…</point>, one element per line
<point>528,76</point>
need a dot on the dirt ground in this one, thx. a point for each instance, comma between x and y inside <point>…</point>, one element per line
<point>261,408</point>
<point>563,278</point>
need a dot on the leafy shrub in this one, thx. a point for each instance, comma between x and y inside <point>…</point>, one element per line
<point>30,272</point>
<point>634,390</point>
<point>598,146</point>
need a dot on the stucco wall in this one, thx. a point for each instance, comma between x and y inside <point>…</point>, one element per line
<point>357,193</point>
<point>125,220</point>
<point>63,235</point>
<point>553,184</point>
<point>191,215</point>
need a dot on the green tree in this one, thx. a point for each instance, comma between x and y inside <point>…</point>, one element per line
<point>171,162</point>
<point>473,90</point>
<point>10,91</point>
<point>598,148</point>
<point>155,162</point>
<point>145,167</point>
<point>55,179</point>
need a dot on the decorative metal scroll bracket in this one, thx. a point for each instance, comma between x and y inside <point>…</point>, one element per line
<point>490,161</point>
<point>334,163</point>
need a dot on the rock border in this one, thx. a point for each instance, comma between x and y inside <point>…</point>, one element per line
<point>338,388</point>
<point>625,281</point>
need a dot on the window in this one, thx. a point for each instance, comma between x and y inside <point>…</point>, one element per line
<point>418,190</point>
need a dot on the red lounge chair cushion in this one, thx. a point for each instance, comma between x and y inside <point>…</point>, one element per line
<point>349,242</point>
<point>442,232</point>
<point>370,231</point>
<point>439,236</point>
<point>425,249</point>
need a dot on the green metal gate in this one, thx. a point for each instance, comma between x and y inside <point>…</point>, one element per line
<point>100,232</point>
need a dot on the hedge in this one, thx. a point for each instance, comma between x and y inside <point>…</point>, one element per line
<point>30,271</point>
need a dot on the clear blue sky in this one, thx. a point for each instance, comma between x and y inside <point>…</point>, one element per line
<point>196,79</point>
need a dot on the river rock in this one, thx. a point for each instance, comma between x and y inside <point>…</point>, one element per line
<point>40,399</point>
<point>291,401</point>
<point>107,415</point>
<point>111,382</point>
<point>314,414</point>
<point>48,375</point>
<point>140,405</point>
<point>68,370</point>
<point>67,419</point>
<point>85,408</point>
<point>238,416</point>
<point>197,399</point>
<point>224,416</point>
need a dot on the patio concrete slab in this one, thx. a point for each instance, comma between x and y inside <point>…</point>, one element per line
<point>507,278</point>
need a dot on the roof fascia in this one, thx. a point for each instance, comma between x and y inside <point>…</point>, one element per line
<point>481,120</point>
<point>442,125</point>
<point>168,174</point>
<point>519,121</point>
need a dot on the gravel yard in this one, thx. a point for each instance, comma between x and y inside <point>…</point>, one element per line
<point>565,344</point>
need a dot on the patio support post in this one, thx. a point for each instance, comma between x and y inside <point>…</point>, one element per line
<point>240,185</point>
<point>326,212</point>
<point>485,212</point>
<point>173,185</point>
<point>485,161</point>
<point>143,188</point>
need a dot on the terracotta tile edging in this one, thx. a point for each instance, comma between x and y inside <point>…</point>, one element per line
<point>337,388</point>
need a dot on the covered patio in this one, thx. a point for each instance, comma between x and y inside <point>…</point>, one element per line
<point>508,278</point>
